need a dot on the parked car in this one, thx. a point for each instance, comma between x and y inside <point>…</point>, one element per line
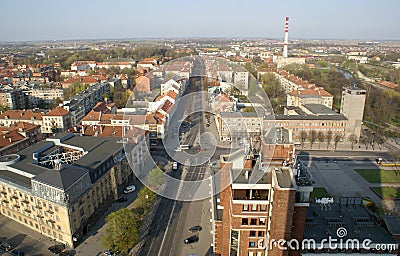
<point>174,165</point>
<point>108,253</point>
<point>56,249</point>
<point>129,189</point>
<point>121,200</point>
<point>194,229</point>
<point>6,247</point>
<point>66,253</point>
<point>191,240</point>
<point>17,253</point>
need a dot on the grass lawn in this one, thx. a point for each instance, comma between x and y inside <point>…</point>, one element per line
<point>319,193</point>
<point>387,192</point>
<point>380,176</point>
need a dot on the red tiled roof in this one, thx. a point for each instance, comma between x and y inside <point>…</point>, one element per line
<point>22,115</point>
<point>58,111</point>
<point>92,116</point>
<point>82,79</point>
<point>10,138</point>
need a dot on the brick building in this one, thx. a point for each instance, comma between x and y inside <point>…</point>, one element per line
<point>262,199</point>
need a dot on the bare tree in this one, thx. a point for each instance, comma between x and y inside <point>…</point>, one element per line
<point>303,137</point>
<point>338,137</point>
<point>395,158</point>
<point>313,137</point>
<point>320,137</point>
<point>328,136</point>
<point>352,140</point>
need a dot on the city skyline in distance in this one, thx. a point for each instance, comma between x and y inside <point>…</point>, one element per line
<point>74,20</point>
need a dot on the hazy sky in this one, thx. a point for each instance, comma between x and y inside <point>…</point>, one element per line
<point>87,19</point>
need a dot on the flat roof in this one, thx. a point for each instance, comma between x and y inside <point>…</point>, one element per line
<point>319,109</point>
<point>99,149</point>
<point>322,222</point>
<point>239,114</point>
<point>284,179</point>
<point>311,117</point>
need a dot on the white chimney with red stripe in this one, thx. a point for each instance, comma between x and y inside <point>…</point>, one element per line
<point>286,42</point>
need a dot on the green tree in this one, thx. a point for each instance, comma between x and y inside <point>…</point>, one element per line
<point>122,231</point>
<point>155,178</point>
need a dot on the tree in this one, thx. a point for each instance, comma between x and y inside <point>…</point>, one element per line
<point>337,138</point>
<point>394,156</point>
<point>312,137</point>
<point>155,178</point>
<point>303,137</point>
<point>329,136</point>
<point>145,199</point>
<point>320,138</point>
<point>352,140</point>
<point>122,231</point>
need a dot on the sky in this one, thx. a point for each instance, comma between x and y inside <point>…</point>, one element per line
<point>27,20</point>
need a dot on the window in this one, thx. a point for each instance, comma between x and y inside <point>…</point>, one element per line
<point>263,207</point>
<point>253,222</point>
<point>262,221</point>
<point>245,207</point>
<point>252,244</point>
<point>260,233</point>
<point>254,207</point>
<point>245,221</point>
<point>252,233</point>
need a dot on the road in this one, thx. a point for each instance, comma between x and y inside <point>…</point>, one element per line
<point>173,217</point>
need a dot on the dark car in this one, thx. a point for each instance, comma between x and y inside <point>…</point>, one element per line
<point>121,200</point>
<point>6,247</point>
<point>191,240</point>
<point>56,249</point>
<point>66,253</point>
<point>17,253</point>
<point>194,229</point>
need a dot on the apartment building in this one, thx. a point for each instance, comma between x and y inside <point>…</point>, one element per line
<point>11,117</point>
<point>44,96</point>
<point>263,198</point>
<point>352,107</point>
<point>13,99</point>
<point>56,120</point>
<point>18,136</point>
<point>61,186</point>
<point>238,126</point>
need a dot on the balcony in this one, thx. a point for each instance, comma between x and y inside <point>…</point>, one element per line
<point>250,194</point>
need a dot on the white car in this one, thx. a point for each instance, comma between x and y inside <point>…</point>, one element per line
<point>129,189</point>
<point>174,165</point>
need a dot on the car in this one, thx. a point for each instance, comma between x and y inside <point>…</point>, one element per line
<point>17,253</point>
<point>108,253</point>
<point>56,249</point>
<point>191,240</point>
<point>153,143</point>
<point>121,200</point>
<point>66,253</point>
<point>174,166</point>
<point>129,189</point>
<point>6,247</point>
<point>194,229</point>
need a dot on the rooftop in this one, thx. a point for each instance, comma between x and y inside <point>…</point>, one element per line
<point>323,221</point>
<point>319,109</point>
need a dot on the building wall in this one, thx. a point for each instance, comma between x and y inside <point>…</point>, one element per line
<point>352,107</point>
<point>65,223</point>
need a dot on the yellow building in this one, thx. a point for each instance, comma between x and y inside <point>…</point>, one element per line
<point>61,186</point>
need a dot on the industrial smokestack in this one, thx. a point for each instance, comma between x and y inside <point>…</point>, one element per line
<point>286,42</point>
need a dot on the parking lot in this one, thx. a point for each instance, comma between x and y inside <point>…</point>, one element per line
<point>23,238</point>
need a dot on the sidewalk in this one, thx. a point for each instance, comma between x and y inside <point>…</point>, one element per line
<point>341,147</point>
